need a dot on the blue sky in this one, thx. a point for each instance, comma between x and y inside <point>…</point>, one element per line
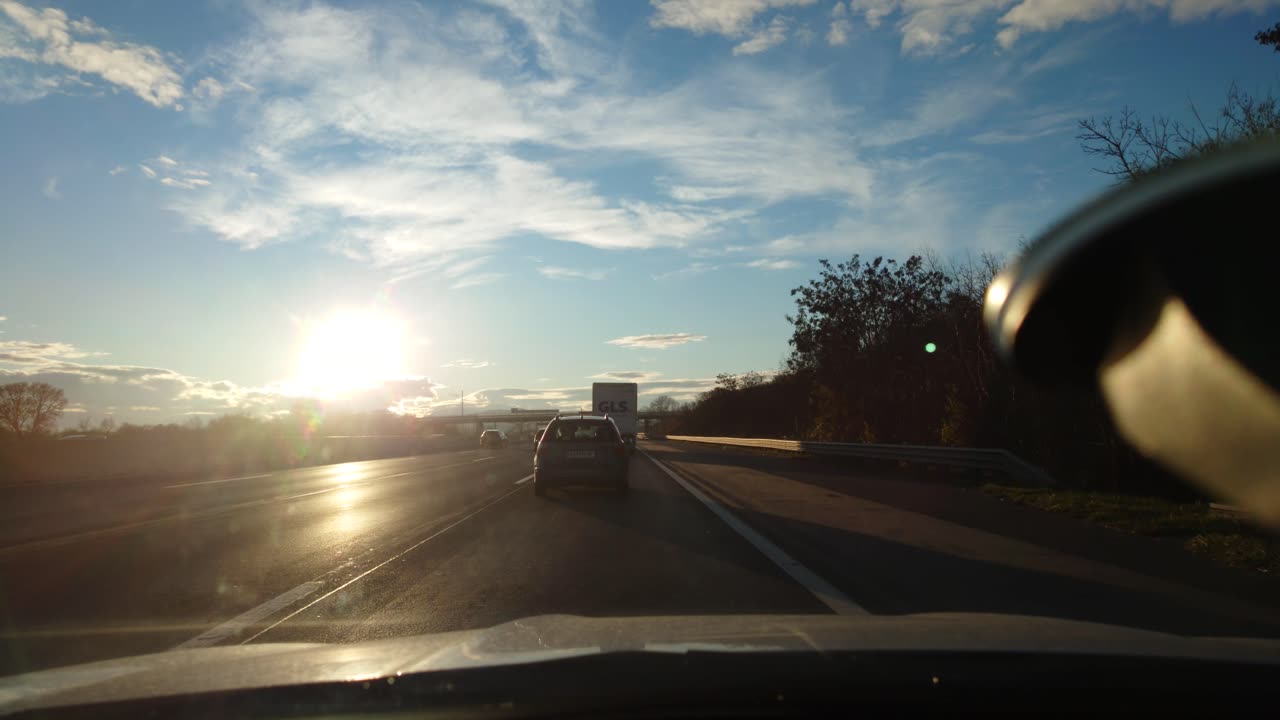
<point>206,203</point>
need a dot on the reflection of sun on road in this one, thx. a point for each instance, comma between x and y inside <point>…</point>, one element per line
<point>350,350</point>
<point>348,516</point>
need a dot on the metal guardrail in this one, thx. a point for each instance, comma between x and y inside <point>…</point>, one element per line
<point>985,459</point>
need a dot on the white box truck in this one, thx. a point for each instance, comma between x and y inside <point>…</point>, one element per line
<point>619,401</point>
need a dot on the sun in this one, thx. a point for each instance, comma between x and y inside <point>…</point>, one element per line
<point>350,350</point>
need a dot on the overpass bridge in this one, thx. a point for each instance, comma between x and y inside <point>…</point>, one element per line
<point>530,416</point>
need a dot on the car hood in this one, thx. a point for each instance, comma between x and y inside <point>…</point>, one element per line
<point>548,637</point>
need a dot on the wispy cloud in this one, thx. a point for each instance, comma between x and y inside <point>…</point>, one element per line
<point>733,18</point>
<point>656,341</point>
<point>48,37</point>
<point>27,352</point>
<point>117,170</point>
<point>564,273</point>
<point>467,363</point>
<point>931,27</point>
<point>628,375</point>
<point>1040,125</point>
<point>459,178</point>
<point>841,25</point>
<point>100,388</point>
<point>694,268</point>
<point>190,184</point>
<point>50,189</point>
<point>773,264</point>
<point>171,175</point>
<point>775,33</point>
<point>476,279</point>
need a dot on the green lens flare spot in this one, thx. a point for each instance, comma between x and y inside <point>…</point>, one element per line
<point>930,347</point>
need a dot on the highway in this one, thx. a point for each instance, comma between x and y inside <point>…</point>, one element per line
<point>458,540</point>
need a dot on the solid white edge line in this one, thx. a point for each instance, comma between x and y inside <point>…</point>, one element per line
<point>232,627</point>
<point>840,603</point>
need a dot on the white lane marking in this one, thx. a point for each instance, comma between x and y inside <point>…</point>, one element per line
<point>232,627</point>
<point>524,479</point>
<point>380,565</point>
<point>215,482</point>
<point>811,581</point>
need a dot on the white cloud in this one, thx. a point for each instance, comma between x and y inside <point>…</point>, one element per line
<point>930,26</point>
<point>117,170</point>
<point>209,89</point>
<point>627,376</point>
<point>149,391</point>
<point>873,11</point>
<point>1039,125</point>
<point>730,18</point>
<point>147,171</point>
<point>1047,15</point>
<point>50,189</point>
<point>775,33</point>
<point>45,37</point>
<point>166,161</point>
<point>563,273</point>
<point>28,352</point>
<point>476,279</point>
<point>468,364</point>
<point>841,25</point>
<point>173,182</point>
<point>657,341</point>
<point>962,99</point>
<point>445,115</point>
<point>694,268</point>
<point>773,264</point>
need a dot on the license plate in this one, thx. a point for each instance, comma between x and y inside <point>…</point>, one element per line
<point>581,454</point>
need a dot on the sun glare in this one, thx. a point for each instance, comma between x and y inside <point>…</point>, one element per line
<point>350,350</point>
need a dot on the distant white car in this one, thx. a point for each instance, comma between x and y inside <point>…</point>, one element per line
<point>495,439</point>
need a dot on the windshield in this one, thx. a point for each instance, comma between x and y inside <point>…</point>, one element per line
<point>580,431</point>
<point>290,292</point>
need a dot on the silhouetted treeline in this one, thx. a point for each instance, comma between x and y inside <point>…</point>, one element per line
<point>895,352</point>
<point>227,444</point>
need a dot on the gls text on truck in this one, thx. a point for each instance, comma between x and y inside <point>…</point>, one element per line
<point>620,401</point>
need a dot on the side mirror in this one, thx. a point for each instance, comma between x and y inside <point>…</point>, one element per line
<point>1163,293</point>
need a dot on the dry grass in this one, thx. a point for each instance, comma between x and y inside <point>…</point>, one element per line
<point>1226,540</point>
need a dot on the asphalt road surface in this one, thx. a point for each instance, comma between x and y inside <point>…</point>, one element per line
<point>458,540</point>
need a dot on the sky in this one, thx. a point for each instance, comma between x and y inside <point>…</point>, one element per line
<point>223,206</point>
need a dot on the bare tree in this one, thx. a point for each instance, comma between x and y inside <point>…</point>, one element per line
<point>1134,147</point>
<point>28,409</point>
<point>663,403</point>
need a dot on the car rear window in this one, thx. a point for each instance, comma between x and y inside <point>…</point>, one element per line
<point>580,431</point>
